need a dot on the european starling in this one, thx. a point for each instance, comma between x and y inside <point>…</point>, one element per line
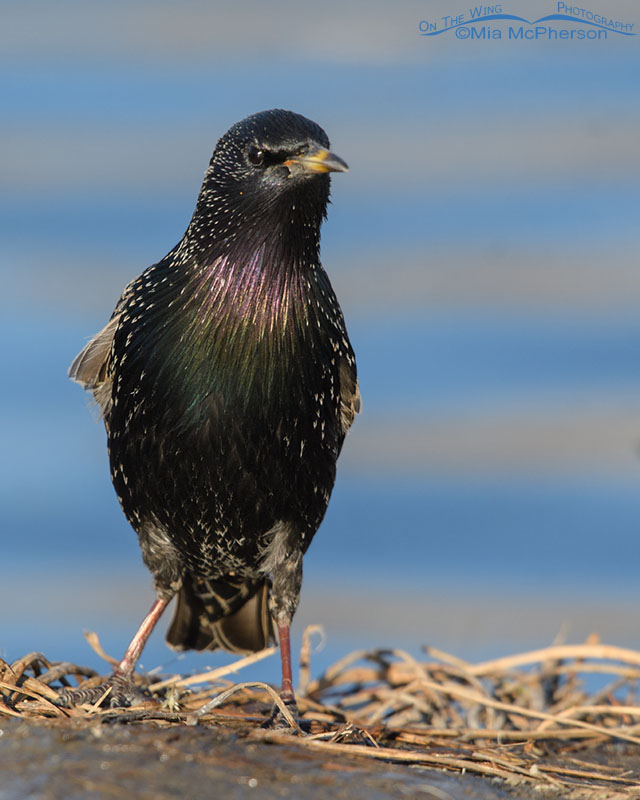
<point>227,384</point>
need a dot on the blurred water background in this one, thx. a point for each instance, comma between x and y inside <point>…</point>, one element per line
<point>484,249</point>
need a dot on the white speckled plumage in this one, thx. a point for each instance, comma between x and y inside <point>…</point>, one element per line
<point>227,384</point>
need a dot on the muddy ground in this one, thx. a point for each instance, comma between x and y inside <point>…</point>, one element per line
<point>74,761</point>
<point>50,761</point>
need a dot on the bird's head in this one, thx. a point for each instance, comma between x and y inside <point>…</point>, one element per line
<point>272,167</point>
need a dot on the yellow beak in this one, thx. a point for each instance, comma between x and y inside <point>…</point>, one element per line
<point>317,159</point>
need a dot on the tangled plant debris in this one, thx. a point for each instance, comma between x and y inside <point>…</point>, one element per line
<point>524,719</point>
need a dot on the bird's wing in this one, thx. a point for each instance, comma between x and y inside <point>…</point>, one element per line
<point>90,368</point>
<point>349,395</point>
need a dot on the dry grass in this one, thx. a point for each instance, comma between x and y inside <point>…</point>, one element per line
<point>522,718</point>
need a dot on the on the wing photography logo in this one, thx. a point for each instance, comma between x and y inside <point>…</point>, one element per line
<point>567,22</point>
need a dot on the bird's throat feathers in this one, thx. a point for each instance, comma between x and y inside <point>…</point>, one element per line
<point>252,296</point>
<point>240,322</point>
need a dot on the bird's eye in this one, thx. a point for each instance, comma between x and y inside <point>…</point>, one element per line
<point>255,155</point>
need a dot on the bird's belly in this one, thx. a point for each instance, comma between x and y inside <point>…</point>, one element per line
<point>218,488</point>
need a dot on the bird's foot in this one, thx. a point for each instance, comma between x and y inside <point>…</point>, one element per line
<point>115,692</point>
<point>278,719</point>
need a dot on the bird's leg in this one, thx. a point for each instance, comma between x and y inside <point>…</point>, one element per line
<point>285,656</point>
<point>277,718</point>
<point>129,660</point>
<point>121,681</point>
<point>285,593</point>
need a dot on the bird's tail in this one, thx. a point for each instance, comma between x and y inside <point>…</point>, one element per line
<point>223,613</point>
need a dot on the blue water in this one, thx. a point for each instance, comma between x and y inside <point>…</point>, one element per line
<point>105,150</point>
<point>477,359</point>
<point>461,87</point>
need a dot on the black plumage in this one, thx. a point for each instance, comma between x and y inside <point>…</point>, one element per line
<point>227,384</point>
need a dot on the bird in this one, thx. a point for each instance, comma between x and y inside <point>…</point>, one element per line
<point>227,384</point>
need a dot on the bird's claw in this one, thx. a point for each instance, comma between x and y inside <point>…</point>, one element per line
<point>277,720</point>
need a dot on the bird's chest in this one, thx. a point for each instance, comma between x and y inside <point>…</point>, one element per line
<point>277,389</point>
<point>251,374</point>
<point>221,447</point>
